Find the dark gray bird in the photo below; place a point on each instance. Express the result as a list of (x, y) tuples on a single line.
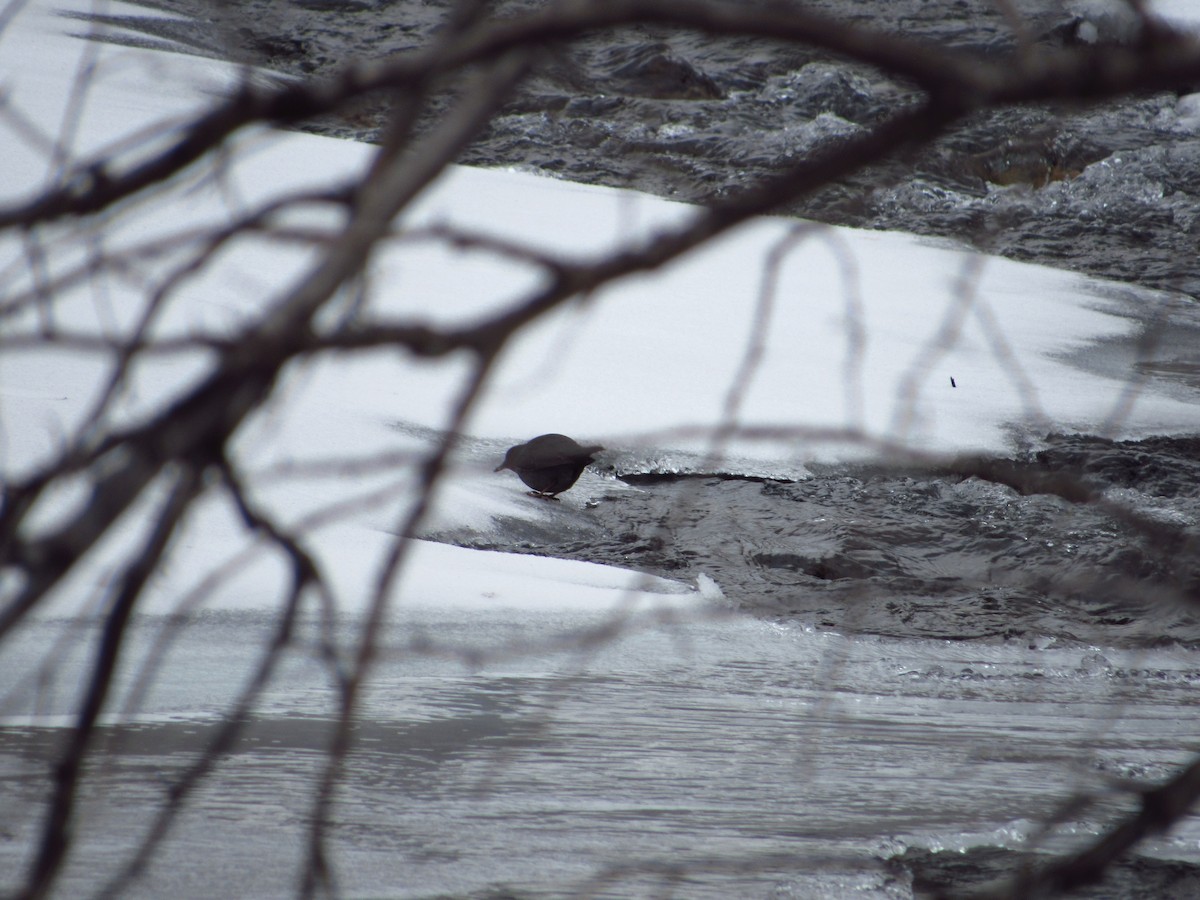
[(549, 464)]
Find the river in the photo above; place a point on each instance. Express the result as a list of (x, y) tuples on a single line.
[(721, 755), (921, 670)]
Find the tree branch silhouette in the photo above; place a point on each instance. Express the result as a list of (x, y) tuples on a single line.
[(188, 438)]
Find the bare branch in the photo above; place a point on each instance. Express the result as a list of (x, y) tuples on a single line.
[(194, 434), (55, 839)]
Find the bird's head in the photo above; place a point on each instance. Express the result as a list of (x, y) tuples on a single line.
[(509, 459)]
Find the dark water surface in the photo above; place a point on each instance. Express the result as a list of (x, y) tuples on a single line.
[(1110, 190), (911, 553)]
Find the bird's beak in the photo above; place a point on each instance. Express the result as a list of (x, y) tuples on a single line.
[(500, 467)]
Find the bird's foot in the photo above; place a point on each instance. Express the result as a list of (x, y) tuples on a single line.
[(542, 496)]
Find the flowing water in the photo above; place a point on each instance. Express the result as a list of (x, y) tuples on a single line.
[(715, 756), (921, 663), (915, 553), (1111, 190)]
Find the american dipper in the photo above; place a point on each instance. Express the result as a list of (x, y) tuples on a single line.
[(549, 464)]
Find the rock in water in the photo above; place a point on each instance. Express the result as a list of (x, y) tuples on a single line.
[(550, 463)]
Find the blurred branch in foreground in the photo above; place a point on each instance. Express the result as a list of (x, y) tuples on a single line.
[(163, 461)]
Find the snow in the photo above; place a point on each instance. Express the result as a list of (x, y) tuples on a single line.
[(1177, 12), (1115, 17), (885, 336)]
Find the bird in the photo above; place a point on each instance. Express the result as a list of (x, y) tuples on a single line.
[(550, 463)]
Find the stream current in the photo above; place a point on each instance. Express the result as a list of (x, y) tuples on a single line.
[(930, 664)]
